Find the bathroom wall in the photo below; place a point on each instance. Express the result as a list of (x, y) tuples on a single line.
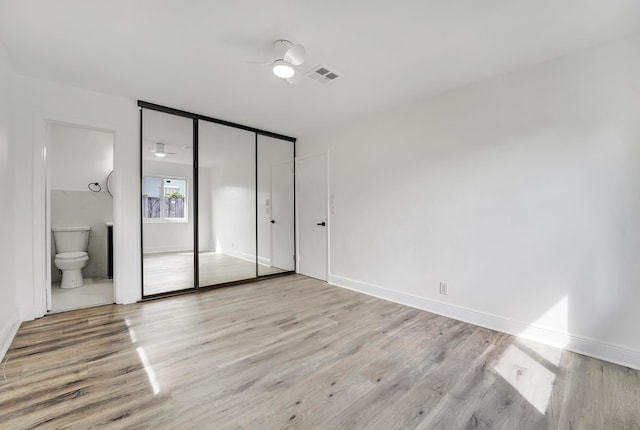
[(84, 208), (80, 156)]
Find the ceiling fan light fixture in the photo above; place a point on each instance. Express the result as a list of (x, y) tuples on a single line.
[(283, 70), (160, 154)]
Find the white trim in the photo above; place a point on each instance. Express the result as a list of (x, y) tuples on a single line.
[(328, 208), (583, 345), (7, 333), (237, 254), (40, 231), (162, 250), (263, 261), (246, 256)]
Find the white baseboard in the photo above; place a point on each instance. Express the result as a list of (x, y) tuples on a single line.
[(583, 345), (230, 252), (246, 256), (8, 331), (161, 250)]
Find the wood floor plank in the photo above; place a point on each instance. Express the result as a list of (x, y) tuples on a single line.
[(296, 353)]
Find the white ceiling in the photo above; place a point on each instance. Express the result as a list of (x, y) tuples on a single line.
[(193, 54)]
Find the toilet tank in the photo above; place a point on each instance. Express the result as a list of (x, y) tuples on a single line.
[(70, 239)]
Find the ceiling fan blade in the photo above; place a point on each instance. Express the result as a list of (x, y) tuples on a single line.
[(295, 55)]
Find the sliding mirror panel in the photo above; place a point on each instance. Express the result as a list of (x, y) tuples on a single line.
[(226, 204), (167, 203), (276, 229)]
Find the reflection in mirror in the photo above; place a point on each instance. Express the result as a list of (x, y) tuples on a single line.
[(275, 206), (226, 204), (167, 215)]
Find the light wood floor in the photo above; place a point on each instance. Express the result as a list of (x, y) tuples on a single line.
[(294, 352), (173, 271)]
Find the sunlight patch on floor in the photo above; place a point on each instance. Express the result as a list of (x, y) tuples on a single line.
[(155, 386), (132, 332), (151, 374), (532, 380)]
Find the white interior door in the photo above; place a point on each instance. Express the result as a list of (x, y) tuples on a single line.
[(282, 226), (311, 186)]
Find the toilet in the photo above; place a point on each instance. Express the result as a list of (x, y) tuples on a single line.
[(71, 245)]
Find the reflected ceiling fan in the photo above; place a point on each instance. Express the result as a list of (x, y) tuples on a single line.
[(287, 56), (160, 151)]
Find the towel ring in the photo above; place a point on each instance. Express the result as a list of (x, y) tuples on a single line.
[(94, 187)]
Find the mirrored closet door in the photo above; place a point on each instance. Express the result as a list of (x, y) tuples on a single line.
[(276, 227), (217, 202), (226, 204), (167, 203)]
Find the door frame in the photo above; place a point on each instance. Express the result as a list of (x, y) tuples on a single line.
[(328, 214), (42, 212)]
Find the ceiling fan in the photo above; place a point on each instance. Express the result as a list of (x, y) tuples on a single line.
[(287, 55), (160, 151)]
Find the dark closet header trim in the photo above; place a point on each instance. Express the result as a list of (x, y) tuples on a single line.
[(159, 108)]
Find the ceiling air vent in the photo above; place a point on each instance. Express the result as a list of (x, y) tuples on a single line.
[(323, 74)]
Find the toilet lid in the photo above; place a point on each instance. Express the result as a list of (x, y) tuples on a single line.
[(70, 255)]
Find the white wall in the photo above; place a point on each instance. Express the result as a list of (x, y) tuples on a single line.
[(170, 236), (79, 156), (35, 102), (522, 192), (227, 190), (233, 203), (8, 304), (206, 233)]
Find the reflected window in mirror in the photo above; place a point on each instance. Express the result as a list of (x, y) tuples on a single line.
[(164, 199)]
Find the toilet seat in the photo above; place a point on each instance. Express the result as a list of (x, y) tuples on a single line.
[(71, 255)]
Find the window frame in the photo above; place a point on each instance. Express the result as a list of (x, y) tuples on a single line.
[(163, 219)]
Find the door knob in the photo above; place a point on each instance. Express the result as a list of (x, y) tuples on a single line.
[(322, 223), (273, 221)]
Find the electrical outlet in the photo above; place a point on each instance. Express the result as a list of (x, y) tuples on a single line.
[(444, 288)]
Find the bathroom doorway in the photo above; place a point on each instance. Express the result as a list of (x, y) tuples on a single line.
[(79, 187)]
